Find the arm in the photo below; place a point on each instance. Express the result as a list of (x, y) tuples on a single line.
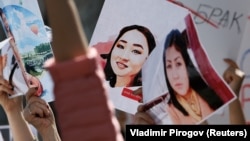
[(234, 77), (19, 127), (82, 72), (13, 109), (39, 114)]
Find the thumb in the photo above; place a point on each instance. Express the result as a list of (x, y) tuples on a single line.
[(231, 63)]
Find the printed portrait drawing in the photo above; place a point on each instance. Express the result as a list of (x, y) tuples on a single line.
[(187, 89), (127, 55), (191, 99)]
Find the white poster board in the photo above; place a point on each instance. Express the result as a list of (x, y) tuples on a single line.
[(22, 20), (230, 16), (158, 17), (243, 61), (229, 40)]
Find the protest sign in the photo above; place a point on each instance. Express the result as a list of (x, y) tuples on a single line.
[(23, 23), (110, 38), (227, 39), (194, 90), (154, 17), (222, 41)]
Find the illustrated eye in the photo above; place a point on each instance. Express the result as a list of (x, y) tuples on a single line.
[(178, 64), (169, 66), (136, 52), (120, 46)]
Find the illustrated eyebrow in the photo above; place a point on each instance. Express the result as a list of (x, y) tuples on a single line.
[(177, 58), (137, 45), (123, 41), (174, 59), (169, 61)]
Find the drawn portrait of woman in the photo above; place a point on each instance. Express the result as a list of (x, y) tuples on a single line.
[(191, 99), (127, 56)]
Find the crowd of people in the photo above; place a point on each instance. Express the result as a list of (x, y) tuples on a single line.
[(83, 109)]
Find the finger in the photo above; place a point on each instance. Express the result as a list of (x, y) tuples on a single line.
[(5, 83), (144, 118), (231, 63), (30, 93), (233, 74), (38, 109), (46, 110), (34, 110), (6, 90), (33, 81), (2, 80), (228, 79), (137, 91), (5, 86), (36, 99), (141, 122), (228, 75), (140, 108)]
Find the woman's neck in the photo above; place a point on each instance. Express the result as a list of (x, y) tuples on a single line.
[(191, 104), (124, 81), (188, 95)]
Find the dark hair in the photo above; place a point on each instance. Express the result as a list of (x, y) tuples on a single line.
[(196, 82), (109, 73)]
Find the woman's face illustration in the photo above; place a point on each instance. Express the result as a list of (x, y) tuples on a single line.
[(129, 54), (176, 71)]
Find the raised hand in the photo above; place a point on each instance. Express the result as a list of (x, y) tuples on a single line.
[(6, 89), (13, 108), (38, 113), (142, 117), (233, 75)]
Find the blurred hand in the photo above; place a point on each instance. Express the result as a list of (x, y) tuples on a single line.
[(6, 89), (38, 112), (35, 82), (142, 117), (233, 76), (138, 92)]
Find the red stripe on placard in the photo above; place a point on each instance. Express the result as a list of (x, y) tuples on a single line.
[(129, 94)]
